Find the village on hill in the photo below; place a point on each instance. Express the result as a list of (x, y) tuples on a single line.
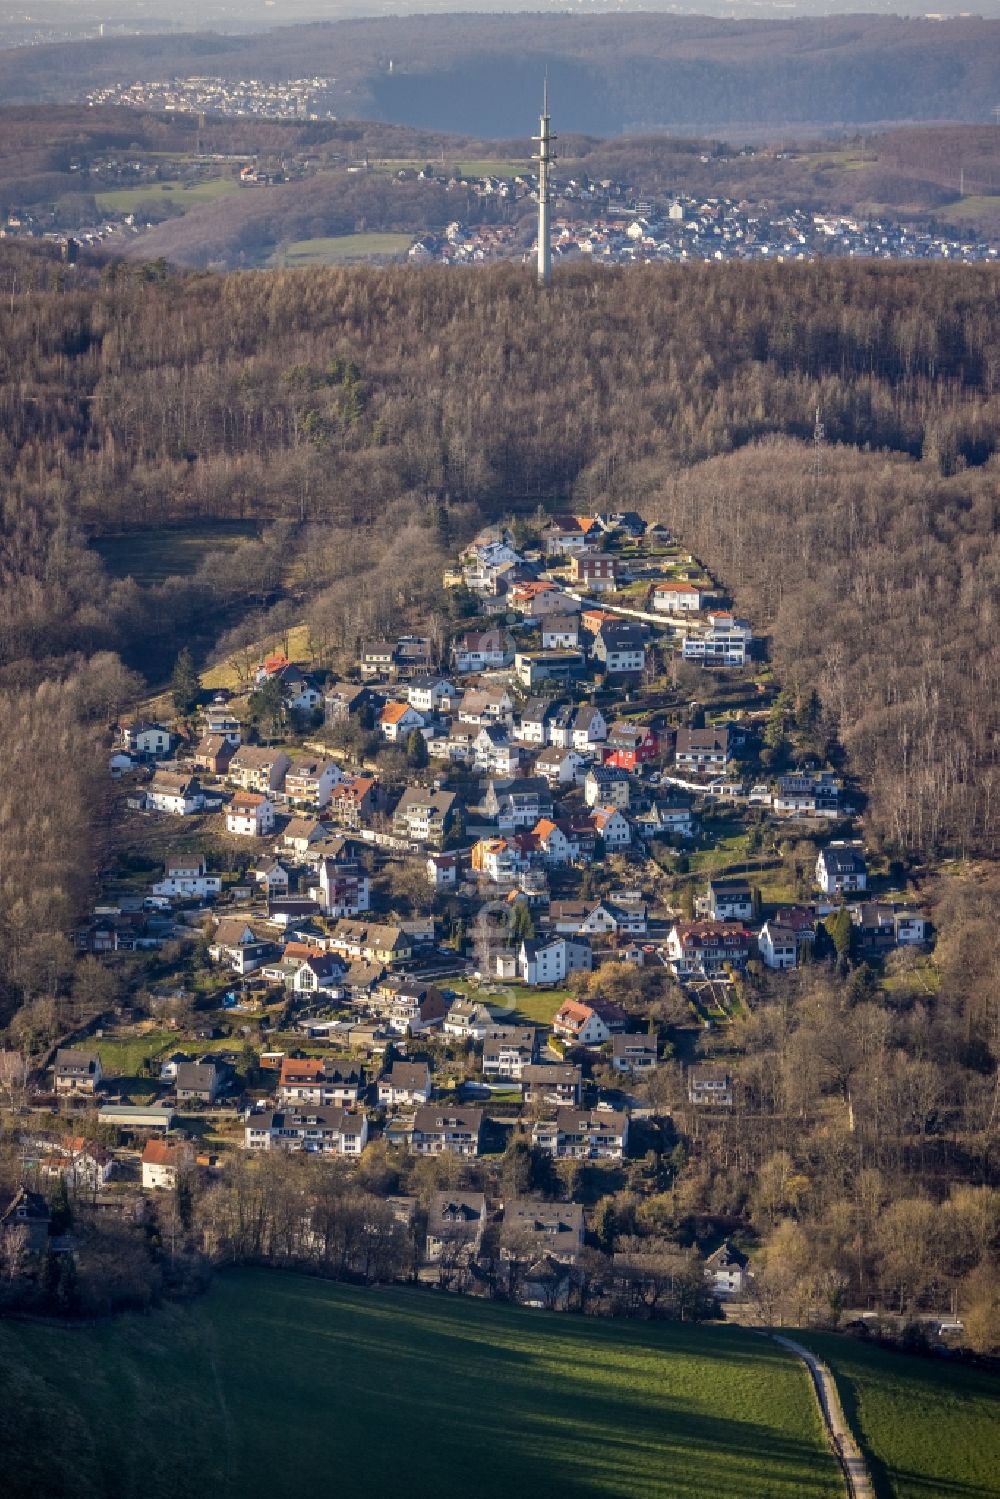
[(489, 909)]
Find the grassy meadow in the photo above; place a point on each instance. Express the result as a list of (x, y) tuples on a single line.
[(152, 556), (273, 1386), (180, 195), (930, 1429), (338, 248)]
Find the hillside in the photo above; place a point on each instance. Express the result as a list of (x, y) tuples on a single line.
[(480, 74), (272, 1384)]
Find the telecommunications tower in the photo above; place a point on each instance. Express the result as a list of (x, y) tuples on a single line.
[(545, 157)]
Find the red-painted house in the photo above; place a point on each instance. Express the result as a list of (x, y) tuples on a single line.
[(630, 745)]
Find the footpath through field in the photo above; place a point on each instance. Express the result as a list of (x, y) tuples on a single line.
[(859, 1483)]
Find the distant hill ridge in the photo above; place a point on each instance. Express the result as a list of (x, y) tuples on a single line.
[(480, 74)]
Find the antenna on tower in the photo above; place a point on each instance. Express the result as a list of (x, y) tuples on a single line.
[(545, 156)]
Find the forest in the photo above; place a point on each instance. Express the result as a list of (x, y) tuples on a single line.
[(482, 73)]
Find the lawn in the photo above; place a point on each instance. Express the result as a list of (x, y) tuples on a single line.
[(178, 194), (339, 248), (929, 1428), (124, 1056), (272, 1385), (295, 641), (152, 556)]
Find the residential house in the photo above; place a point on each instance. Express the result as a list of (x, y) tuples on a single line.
[(318, 1080), (442, 871), (560, 631), (507, 1050), (777, 945), (309, 1127), (630, 746), (425, 815), (255, 769), (378, 660), (77, 1071), (431, 695), (416, 1008), (250, 815), (535, 717), (583, 1135), (534, 1227), (706, 949), (469, 1019), (342, 699), (162, 1163), (533, 668), (703, 749), (149, 741), (309, 781), (552, 1082), (341, 888), (542, 600), (438, 1128), (273, 877), (25, 1219), (670, 818), (86, 1165), (612, 826), (299, 835), (634, 1054), (678, 598), (566, 534), (592, 572), (493, 752), (486, 705), (299, 691), (580, 728), (589, 1024), (398, 720), (560, 767), (725, 642), (620, 649), (455, 1224), (517, 803), (371, 941), (482, 650), (606, 786), (551, 960), (354, 801), (727, 1272), (726, 900), (710, 1087), (841, 869), (175, 793), (555, 845), (198, 1082), (319, 976), (186, 875), (405, 1084), (217, 720), (214, 754)]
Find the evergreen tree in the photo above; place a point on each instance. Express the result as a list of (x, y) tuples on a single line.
[(416, 750), (185, 687)]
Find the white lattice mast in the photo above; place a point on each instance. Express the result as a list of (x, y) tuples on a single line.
[(545, 156)]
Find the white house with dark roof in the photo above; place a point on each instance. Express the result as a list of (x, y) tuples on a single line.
[(841, 869)]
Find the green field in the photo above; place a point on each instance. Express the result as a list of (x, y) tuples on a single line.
[(274, 1387), (178, 194), (339, 248), (929, 1428), (970, 208), (152, 556)]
